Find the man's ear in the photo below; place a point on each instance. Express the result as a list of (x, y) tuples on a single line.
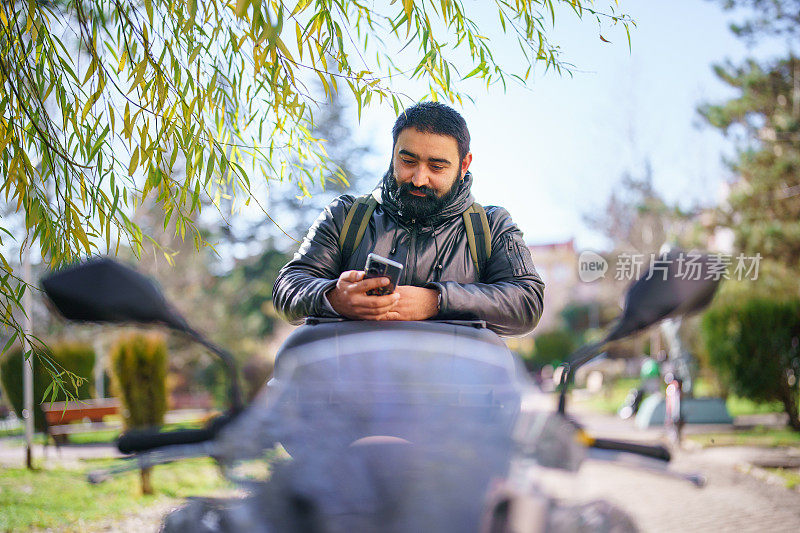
[(465, 163)]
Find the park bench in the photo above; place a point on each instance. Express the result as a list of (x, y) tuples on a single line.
[(89, 413)]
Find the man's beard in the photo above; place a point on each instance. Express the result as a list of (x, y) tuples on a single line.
[(420, 207)]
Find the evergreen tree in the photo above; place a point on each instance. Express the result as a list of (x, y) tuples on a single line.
[(750, 327), (763, 207)]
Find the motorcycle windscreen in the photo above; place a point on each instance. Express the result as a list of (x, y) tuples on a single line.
[(410, 420)]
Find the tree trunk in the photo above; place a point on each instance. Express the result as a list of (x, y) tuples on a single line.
[(789, 399), (147, 487)]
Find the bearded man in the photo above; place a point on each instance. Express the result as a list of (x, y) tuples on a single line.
[(418, 219)]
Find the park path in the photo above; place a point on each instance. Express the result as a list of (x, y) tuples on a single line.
[(734, 499)]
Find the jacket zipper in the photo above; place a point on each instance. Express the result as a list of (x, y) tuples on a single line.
[(412, 252)]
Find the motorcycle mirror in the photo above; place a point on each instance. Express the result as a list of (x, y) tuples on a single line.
[(677, 283), (102, 290)]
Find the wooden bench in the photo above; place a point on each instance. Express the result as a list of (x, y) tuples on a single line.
[(61, 415)]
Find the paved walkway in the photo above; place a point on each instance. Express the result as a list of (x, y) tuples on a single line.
[(12, 454), (12, 449), (734, 499)]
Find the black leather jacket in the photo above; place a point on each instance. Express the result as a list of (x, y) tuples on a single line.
[(508, 296)]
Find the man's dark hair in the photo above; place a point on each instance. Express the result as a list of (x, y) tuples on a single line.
[(434, 117)]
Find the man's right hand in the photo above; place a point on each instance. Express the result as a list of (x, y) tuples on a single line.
[(350, 299)]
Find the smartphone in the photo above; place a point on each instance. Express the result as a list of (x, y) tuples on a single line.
[(380, 267)]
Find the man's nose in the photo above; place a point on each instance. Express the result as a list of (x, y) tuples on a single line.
[(421, 177)]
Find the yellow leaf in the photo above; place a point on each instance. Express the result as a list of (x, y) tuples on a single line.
[(92, 99), (194, 54), (283, 49), (134, 162), (408, 6), (301, 5), (127, 125), (241, 7), (148, 6), (299, 40), (78, 232), (192, 11), (90, 71)]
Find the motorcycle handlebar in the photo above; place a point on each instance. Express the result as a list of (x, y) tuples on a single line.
[(142, 440), (654, 451)]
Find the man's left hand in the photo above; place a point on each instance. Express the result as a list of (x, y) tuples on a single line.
[(416, 303)]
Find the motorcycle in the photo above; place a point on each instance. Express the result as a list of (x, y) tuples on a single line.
[(387, 426)]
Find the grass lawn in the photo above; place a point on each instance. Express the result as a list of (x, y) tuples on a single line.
[(742, 406), (17, 438), (64, 499), (609, 400), (757, 436), (791, 478)]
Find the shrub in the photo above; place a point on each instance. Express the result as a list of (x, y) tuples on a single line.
[(578, 316), (79, 358), (139, 365), (551, 347), (75, 357), (753, 344)]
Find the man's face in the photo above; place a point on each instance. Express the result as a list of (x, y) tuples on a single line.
[(427, 170)]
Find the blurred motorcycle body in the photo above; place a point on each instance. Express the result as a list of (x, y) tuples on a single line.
[(390, 426)]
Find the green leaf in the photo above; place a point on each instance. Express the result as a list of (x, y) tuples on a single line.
[(10, 341), (474, 71), (47, 391), (99, 143), (628, 33)]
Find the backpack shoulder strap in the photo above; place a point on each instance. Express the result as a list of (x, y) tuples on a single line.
[(479, 236), (355, 224)]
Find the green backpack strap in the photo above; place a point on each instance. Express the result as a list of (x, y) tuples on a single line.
[(479, 236), (355, 224)]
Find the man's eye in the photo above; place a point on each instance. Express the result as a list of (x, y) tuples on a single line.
[(437, 168), (408, 161)]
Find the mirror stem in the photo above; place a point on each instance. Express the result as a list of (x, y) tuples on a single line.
[(230, 367), (583, 355)]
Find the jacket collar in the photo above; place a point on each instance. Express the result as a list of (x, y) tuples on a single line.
[(460, 203)]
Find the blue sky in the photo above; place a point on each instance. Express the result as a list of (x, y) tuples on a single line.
[(556, 150)]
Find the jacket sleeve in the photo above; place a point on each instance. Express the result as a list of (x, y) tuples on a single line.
[(299, 291), (510, 297)]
